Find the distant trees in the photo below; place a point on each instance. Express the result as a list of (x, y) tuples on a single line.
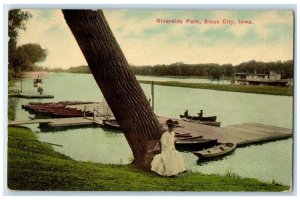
[(213, 71), (26, 56), (84, 69), (216, 71)]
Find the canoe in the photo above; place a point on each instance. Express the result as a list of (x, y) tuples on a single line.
[(210, 118), (187, 117), (209, 123), (195, 144), (218, 150), (66, 115)]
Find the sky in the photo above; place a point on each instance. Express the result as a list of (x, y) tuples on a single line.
[(144, 41)]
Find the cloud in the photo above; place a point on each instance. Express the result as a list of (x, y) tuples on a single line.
[(48, 28), (143, 41)]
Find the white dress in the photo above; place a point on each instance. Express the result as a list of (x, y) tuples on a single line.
[(169, 162)]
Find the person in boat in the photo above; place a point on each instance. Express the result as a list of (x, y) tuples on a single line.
[(200, 114), (186, 113), (169, 162), (40, 90)]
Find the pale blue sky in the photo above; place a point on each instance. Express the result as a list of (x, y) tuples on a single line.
[(143, 41)]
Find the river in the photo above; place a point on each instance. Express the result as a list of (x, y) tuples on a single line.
[(266, 162)]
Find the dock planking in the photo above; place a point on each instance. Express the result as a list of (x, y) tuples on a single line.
[(240, 134)]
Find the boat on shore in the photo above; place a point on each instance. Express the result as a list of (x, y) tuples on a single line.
[(216, 151)]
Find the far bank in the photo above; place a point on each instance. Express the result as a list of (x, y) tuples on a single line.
[(269, 90)]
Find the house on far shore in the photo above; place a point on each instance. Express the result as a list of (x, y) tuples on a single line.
[(271, 78)]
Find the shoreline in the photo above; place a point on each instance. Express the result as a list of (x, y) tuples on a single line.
[(267, 90), (40, 167)]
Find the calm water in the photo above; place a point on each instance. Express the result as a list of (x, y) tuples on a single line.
[(266, 162), (181, 79)]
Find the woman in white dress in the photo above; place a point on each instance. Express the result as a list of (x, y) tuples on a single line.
[(169, 162)]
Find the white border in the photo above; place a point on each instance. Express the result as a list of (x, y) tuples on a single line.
[(213, 4)]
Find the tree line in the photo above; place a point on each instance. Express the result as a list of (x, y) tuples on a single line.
[(213, 71), (216, 71)]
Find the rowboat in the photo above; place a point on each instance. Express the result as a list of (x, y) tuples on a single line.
[(195, 144), (215, 151), (65, 114), (210, 118), (209, 123)]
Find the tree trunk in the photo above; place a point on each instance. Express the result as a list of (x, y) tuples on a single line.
[(114, 77)]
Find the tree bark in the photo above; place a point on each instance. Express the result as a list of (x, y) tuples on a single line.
[(114, 77)]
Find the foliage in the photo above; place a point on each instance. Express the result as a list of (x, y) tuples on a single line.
[(36, 166), (33, 52), (28, 55), (16, 22), (80, 69), (216, 71), (284, 68), (213, 71), (264, 89)]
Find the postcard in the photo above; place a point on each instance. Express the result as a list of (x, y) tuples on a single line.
[(152, 100)]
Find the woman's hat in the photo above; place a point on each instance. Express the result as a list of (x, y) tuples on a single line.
[(170, 122)]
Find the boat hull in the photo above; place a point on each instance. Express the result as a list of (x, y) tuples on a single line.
[(216, 151), (195, 144), (210, 118)]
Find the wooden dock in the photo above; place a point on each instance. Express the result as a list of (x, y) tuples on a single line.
[(240, 134), (31, 96)]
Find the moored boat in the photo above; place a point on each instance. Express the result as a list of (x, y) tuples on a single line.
[(195, 144), (215, 151), (209, 118), (209, 123)]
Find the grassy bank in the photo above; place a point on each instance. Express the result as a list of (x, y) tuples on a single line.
[(271, 90), (33, 165)]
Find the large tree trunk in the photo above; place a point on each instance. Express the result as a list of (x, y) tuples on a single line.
[(117, 82)]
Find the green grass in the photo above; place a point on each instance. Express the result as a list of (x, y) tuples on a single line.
[(271, 90), (33, 165)]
